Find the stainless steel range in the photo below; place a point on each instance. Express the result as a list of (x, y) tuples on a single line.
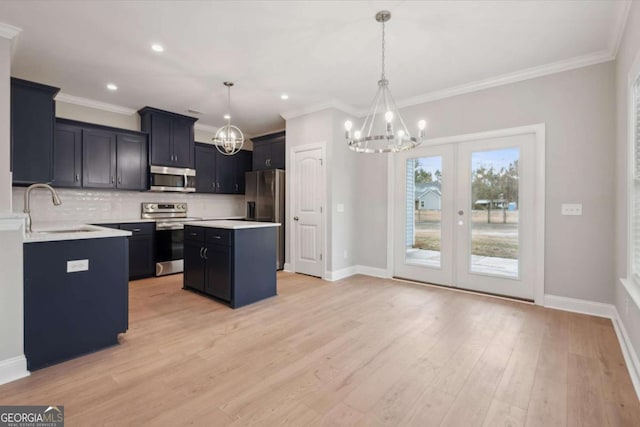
[(169, 237)]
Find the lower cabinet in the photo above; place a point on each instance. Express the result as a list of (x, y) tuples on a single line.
[(235, 266), (142, 259), (207, 266), (67, 314)]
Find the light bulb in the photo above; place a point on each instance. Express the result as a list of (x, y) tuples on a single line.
[(232, 135), (422, 124), (388, 116), (227, 116), (357, 134), (221, 135), (348, 125), (400, 134)]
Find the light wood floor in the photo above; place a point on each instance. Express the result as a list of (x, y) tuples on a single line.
[(361, 351)]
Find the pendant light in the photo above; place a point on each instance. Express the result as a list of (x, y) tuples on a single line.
[(390, 135), (229, 139)]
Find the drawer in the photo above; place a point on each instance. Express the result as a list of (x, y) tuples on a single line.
[(139, 228), (194, 233), (116, 226), (219, 236)]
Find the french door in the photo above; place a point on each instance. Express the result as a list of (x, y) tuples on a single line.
[(465, 215)]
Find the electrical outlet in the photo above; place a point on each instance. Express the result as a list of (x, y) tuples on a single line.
[(572, 209), (340, 207), (77, 265)]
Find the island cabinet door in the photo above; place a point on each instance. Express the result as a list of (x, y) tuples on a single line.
[(194, 265), (218, 283)]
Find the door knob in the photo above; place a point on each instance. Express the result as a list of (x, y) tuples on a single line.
[(295, 218)]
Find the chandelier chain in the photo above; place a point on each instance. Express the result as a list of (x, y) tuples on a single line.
[(383, 52)]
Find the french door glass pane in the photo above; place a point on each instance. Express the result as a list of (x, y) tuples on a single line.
[(494, 212), (424, 211)]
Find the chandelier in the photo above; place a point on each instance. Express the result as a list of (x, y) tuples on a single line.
[(390, 135), (229, 139)]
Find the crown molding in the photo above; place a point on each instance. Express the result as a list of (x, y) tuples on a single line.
[(9, 31), (619, 27), (518, 76), (335, 103), (85, 102)]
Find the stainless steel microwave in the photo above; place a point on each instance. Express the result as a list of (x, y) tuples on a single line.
[(164, 178)]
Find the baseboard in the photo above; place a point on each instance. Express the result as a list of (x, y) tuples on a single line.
[(13, 369), (343, 273), (287, 267), (372, 271), (628, 352), (580, 306)]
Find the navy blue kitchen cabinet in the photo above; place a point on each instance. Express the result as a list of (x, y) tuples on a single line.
[(70, 314), (269, 151), (217, 173), (131, 161), (142, 257), (94, 156), (205, 168), (234, 266), (170, 137), (67, 156), (98, 158), (32, 131), (194, 262)]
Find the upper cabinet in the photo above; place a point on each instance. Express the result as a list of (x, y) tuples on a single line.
[(93, 156), (171, 140), (269, 151), (217, 173), (32, 131)]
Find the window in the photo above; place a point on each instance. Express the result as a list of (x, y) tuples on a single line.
[(634, 203)]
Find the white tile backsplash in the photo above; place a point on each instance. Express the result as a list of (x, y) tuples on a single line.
[(84, 205)]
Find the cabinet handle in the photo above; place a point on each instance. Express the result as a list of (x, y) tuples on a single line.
[(136, 230), (77, 177), (213, 184), (236, 187), (217, 237), (218, 185), (205, 253), (201, 255), (120, 180), (193, 234), (113, 180)]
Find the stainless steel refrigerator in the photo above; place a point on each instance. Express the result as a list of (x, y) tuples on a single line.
[(264, 200)]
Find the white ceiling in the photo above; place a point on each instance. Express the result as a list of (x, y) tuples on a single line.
[(315, 51)]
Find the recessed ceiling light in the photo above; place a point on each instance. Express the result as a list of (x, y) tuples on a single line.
[(157, 47), (284, 96), (111, 86)]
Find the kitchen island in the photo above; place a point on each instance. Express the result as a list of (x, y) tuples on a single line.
[(76, 294), (232, 261)]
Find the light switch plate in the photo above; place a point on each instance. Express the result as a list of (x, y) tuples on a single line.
[(77, 265), (572, 209)]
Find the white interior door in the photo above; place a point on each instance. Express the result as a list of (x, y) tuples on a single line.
[(308, 188), (468, 215)]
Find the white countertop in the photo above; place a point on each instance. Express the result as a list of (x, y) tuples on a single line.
[(231, 224), (44, 234)]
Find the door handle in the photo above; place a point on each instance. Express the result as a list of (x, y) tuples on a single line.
[(295, 218)]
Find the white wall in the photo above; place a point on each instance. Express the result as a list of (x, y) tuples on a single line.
[(578, 108), (12, 361), (5, 126), (628, 53)]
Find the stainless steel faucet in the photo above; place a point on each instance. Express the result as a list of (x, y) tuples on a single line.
[(27, 195)]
